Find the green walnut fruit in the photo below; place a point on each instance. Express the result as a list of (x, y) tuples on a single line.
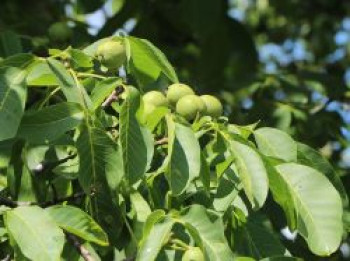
[(111, 54), (214, 106), (60, 32), (176, 91), (189, 106), (193, 254), (148, 109), (155, 98)]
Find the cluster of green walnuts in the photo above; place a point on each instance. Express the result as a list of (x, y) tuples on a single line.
[(179, 97), (186, 103)]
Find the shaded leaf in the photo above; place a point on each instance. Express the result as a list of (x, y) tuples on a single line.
[(10, 44), (148, 62), (72, 89), (45, 125), (13, 94), (136, 141), (252, 239), (252, 172), (95, 148), (184, 157)]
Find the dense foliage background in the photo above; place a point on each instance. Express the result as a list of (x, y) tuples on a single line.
[(283, 63)]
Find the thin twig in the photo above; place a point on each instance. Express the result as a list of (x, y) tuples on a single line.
[(7, 258), (50, 165), (161, 141), (129, 258), (61, 200), (114, 96), (91, 75), (84, 253), (12, 203)]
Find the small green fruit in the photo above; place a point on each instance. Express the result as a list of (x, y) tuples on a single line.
[(176, 91), (60, 32), (214, 106), (155, 98), (148, 109), (193, 254), (189, 106), (111, 54)]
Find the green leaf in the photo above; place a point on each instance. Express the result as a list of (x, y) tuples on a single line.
[(5, 152), (13, 94), (45, 125), (275, 143), (158, 226), (226, 193), (21, 60), (103, 89), (35, 233), (79, 59), (280, 192), (252, 239), (142, 209), (153, 119), (79, 223), (312, 158), (148, 62), (40, 74), (184, 157), (207, 230), (252, 172), (71, 88), (318, 207), (70, 253), (96, 150), (136, 141), (10, 44)]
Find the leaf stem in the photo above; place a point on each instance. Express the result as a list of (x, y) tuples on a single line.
[(47, 98), (179, 243), (91, 75)]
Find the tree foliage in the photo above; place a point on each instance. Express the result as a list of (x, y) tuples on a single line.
[(85, 156)]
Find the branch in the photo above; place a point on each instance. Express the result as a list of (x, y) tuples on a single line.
[(85, 254), (12, 203), (50, 165), (7, 258), (161, 141), (61, 200), (129, 258), (114, 96)]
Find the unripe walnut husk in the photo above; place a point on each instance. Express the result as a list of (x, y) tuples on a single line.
[(214, 106), (111, 53), (60, 32), (176, 91), (190, 106), (193, 254)]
